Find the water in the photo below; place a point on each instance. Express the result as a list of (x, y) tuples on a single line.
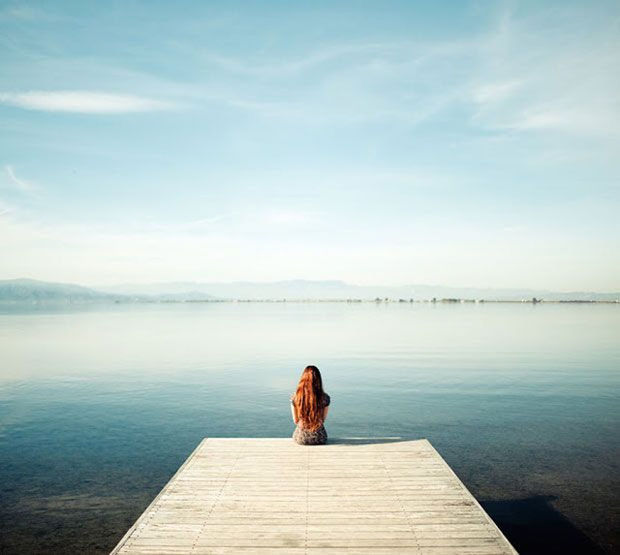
[(99, 405)]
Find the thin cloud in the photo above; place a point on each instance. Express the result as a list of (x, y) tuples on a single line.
[(494, 92), (530, 81), (194, 225), (299, 64), (4, 209), (207, 221), (19, 183), (82, 102), (24, 13)]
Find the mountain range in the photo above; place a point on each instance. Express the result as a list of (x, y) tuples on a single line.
[(30, 290)]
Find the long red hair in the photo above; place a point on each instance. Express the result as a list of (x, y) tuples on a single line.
[(308, 399)]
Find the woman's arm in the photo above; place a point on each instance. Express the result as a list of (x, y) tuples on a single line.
[(326, 401), (294, 412)]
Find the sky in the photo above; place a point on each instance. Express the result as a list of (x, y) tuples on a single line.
[(386, 143)]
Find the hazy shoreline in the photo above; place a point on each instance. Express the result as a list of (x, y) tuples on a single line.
[(79, 302), (36, 291)]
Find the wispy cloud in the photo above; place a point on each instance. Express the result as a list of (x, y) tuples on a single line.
[(21, 184), (495, 92), (301, 63), (21, 12), (240, 222), (539, 81), (83, 102), (207, 221), (351, 83), (4, 209), (198, 226)]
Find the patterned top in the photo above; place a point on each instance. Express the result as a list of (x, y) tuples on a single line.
[(315, 437)]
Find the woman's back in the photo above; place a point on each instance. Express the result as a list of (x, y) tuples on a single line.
[(309, 407)]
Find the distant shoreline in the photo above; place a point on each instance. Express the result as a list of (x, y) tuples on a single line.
[(380, 301), (26, 290), (138, 301)]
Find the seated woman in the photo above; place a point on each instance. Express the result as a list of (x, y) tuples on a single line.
[(309, 407)]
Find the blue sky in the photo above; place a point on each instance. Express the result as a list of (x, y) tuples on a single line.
[(454, 143)]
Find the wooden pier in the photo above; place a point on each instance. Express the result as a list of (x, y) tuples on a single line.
[(259, 496)]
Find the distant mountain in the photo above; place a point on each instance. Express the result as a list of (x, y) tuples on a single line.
[(36, 291), (32, 290), (293, 289), (167, 289)]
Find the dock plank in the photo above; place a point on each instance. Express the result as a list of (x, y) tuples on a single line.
[(258, 496)]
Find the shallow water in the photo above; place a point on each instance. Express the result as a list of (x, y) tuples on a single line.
[(99, 405)]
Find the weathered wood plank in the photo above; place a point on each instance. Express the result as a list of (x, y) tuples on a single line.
[(257, 496)]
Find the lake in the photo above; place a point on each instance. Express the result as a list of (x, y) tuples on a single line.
[(99, 405)]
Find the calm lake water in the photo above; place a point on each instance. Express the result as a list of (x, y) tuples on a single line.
[(99, 405)]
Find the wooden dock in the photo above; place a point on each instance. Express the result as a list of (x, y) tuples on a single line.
[(363, 496)]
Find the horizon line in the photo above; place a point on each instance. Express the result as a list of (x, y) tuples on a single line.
[(315, 281)]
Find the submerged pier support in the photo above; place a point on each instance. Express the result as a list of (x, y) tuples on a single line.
[(367, 496)]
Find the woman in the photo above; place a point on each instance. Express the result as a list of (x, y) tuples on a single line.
[(309, 407)]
